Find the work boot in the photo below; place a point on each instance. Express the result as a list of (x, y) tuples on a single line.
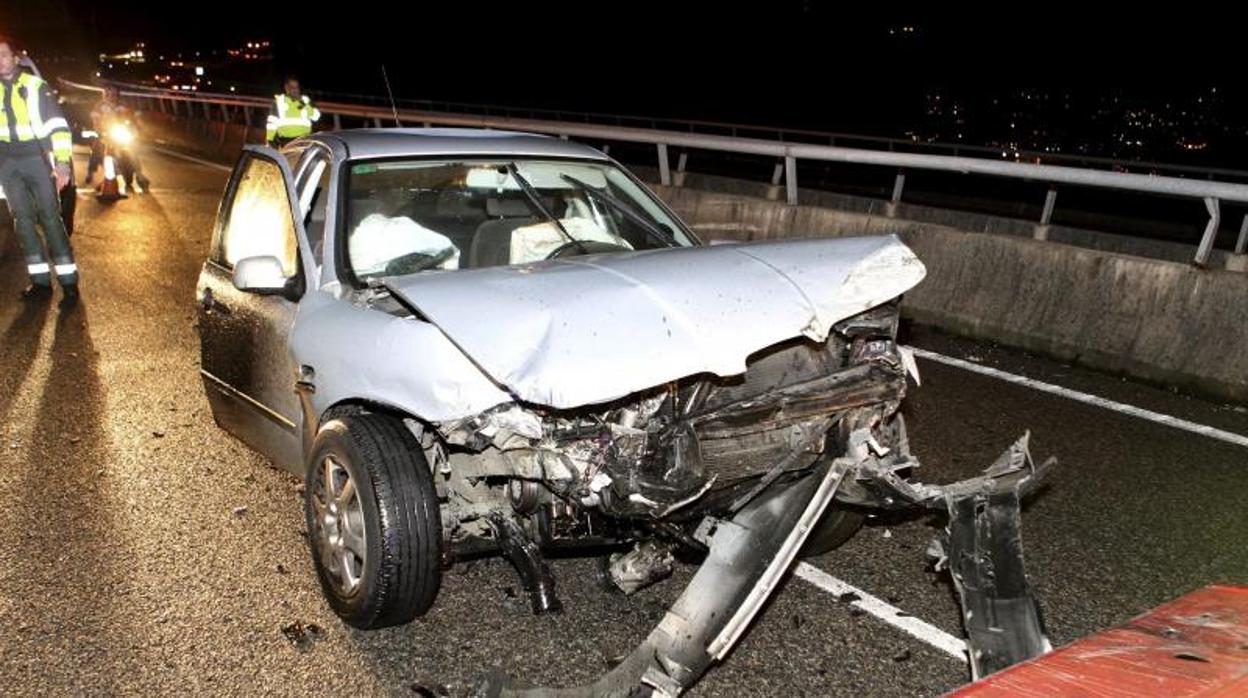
[(37, 292), (69, 296)]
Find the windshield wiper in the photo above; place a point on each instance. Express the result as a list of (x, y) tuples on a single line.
[(532, 194), (654, 231)]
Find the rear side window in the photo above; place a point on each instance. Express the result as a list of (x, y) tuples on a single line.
[(259, 221)]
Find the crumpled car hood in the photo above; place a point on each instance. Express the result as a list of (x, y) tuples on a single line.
[(585, 330)]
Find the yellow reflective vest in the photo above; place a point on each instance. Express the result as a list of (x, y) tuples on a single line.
[(290, 118), (29, 114)]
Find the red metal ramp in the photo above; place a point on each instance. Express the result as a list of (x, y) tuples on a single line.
[(1196, 645)]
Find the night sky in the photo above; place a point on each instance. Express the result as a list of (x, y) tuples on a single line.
[(784, 62)]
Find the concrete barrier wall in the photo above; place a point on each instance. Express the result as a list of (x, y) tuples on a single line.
[(1152, 319), (212, 140)]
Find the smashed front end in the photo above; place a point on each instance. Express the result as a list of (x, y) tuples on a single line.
[(744, 470), (659, 460)]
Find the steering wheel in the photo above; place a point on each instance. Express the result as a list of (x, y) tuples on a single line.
[(573, 248)]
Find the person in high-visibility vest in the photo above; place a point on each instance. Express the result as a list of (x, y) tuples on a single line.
[(30, 123), (290, 116)]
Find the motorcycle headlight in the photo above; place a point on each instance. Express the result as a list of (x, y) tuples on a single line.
[(121, 134)]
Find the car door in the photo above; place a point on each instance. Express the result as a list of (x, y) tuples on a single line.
[(248, 371)]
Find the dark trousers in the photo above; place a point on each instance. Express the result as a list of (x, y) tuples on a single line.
[(32, 199)]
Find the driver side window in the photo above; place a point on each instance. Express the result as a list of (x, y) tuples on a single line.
[(259, 221)]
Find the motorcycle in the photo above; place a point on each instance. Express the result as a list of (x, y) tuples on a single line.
[(121, 166)]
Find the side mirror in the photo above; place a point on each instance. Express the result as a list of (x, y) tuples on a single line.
[(262, 276)]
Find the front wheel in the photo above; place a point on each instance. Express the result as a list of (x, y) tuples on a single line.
[(374, 525)]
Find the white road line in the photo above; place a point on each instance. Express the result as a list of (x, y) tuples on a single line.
[(1211, 432), (941, 640), (205, 163)]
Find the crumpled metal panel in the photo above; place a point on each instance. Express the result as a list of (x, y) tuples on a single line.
[(361, 353), (586, 330)]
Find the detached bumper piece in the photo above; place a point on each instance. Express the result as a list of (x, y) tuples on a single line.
[(983, 551)]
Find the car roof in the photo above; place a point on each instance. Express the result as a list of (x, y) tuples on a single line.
[(417, 142)]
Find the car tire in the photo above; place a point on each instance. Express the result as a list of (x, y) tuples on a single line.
[(836, 527), (391, 517)]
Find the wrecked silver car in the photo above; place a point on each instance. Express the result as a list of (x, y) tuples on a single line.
[(492, 343)]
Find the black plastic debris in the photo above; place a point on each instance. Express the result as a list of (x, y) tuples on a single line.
[(848, 597), (301, 635), (281, 569), (428, 689), (902, 656)]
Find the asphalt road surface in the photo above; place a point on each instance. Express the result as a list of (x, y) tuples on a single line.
[(143, 550)]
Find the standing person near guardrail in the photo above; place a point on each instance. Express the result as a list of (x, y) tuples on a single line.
[(30, 122), (290, 116)]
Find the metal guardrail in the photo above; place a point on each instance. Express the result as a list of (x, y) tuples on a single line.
[(786, 134), (787, 153)]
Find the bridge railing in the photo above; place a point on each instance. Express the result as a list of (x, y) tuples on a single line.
[(253, 110)]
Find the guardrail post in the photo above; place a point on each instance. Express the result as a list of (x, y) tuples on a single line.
[(226, 113), (665, 173), (777, 175), (606, 148), (337, 122), (680, 168), (1211, 232), (377, 122), (1241, 245), (1049, 200), (790, 179), (1042, 230), (899, 186)]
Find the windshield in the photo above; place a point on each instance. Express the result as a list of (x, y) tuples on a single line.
[(408, 216)]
